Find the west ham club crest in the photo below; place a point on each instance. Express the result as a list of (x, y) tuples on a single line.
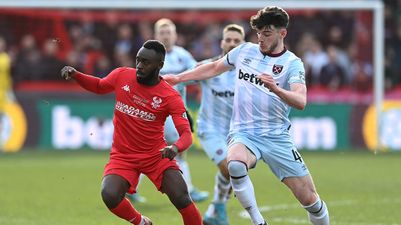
[(277, 69)]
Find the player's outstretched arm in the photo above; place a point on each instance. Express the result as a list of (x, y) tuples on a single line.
[(90, 83), (201, 72)]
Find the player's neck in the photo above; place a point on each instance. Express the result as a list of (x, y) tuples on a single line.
[(151, 82), (279, 49)]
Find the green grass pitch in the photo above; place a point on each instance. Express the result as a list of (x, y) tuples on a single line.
[(62, 188)]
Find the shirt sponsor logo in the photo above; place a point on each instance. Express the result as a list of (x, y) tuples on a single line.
[(134, 112), (225, 94), (249, 77)]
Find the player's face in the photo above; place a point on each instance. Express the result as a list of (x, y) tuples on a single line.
[(269, 39), (148, 65), (167, 35), (231, 39)]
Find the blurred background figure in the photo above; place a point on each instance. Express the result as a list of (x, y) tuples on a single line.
[(5, 86)]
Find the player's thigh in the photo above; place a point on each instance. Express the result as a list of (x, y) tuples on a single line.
[(114, 183), (127, 172), (173, 183), (303, 189), (280, 154), (174, 186), (156, 171), (170, 132), (215, 146), (242, 148)]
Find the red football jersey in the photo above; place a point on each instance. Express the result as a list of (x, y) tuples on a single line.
[(140, 111)]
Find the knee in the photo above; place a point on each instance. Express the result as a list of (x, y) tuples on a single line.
[(237, 169), (181, 200), (308, 198), (111, 197)]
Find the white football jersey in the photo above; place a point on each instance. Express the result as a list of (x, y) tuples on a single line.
[(216, 103), (176, 61), (256, 110)]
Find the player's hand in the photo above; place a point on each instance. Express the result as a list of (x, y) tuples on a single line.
[(171, 79), (67, 72), (268, 81), (169, 152)]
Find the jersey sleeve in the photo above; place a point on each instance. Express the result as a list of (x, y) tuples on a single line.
[(189, 60), (181, 123), (97, 85), (232, 56), (296, 73)]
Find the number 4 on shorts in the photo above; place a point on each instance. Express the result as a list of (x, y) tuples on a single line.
[(297, 156)]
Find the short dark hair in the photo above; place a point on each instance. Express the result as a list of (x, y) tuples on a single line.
[(157, 46), (270, 15)]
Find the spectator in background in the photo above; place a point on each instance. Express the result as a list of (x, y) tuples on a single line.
[(314, 57), (102, 67), (124, 46), (332, 74), (50, 62), (125, 40), (107, 32), (362, 71), (27, 65), (395, 59), (5, 83)]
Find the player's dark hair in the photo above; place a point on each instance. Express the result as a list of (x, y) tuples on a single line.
[(270, 15), (157, 46)]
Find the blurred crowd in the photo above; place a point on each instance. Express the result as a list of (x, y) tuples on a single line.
[(335, 46)]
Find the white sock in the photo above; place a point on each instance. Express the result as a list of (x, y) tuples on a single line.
[(185, 171), (318, 213), (222, 188), (244, 191)]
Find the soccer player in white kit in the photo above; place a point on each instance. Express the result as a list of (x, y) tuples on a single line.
[(177, 60), (213, 125), (269, 81)]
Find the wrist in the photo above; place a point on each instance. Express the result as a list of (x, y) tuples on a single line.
[(175, 148)]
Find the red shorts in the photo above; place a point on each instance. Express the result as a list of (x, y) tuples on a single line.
[(130, 169)]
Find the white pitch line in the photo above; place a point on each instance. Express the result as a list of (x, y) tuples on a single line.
[(295, 220), (266, 208)]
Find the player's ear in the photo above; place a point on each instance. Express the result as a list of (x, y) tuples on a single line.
[(161, 64), (283, 32)]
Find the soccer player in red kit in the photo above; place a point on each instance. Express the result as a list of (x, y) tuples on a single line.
[(143, 102)]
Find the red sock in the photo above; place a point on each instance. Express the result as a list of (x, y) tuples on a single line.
[(127, 211), (190, 215)]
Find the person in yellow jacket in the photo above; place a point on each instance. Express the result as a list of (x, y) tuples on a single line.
[(5, 77), (5, 88)]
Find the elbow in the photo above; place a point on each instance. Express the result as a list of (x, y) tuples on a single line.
[(301, 105)]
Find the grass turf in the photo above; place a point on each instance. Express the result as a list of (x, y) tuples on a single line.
[(62, 188)]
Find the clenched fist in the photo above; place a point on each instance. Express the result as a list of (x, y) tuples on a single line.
[(169, 152), (68, 72)]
